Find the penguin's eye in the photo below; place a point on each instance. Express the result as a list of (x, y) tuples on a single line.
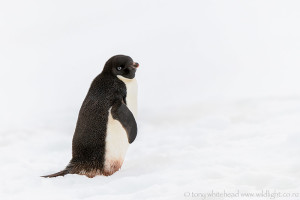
[(119, 68)]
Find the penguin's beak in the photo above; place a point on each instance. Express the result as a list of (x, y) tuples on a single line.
[(135, 65)]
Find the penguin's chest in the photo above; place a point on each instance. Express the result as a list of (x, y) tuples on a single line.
[(116, 142)]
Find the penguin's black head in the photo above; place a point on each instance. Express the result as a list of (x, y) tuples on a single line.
[(121, 65)]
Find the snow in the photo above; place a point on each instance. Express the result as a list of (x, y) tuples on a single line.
[(219, 98)]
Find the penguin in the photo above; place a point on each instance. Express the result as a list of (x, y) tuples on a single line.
[(106, 122)]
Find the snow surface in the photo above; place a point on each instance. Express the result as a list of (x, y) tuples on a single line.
[(219, 97)]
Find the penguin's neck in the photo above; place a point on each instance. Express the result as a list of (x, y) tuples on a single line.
[(131, 99), (126, 80)]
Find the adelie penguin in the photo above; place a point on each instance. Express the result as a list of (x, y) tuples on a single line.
[(106, 123)]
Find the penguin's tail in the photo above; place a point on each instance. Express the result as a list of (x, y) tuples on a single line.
[(61, 173)]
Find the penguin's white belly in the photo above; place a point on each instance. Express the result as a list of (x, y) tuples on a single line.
[(116, 142)]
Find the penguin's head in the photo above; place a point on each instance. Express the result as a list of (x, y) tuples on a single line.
[(121, 65)]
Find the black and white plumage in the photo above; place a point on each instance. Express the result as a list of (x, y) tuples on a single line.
[(106, 123)]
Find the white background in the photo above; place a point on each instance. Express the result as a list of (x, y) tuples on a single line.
[(219, 97)]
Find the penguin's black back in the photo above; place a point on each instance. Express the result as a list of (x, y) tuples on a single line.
[(88, 146)]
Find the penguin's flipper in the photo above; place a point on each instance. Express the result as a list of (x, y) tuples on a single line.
[(121, 113)]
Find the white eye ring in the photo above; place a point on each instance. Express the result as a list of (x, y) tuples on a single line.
[(119, 68)]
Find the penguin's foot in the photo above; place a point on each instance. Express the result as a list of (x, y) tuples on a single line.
[(91, 173), (110, 168)]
